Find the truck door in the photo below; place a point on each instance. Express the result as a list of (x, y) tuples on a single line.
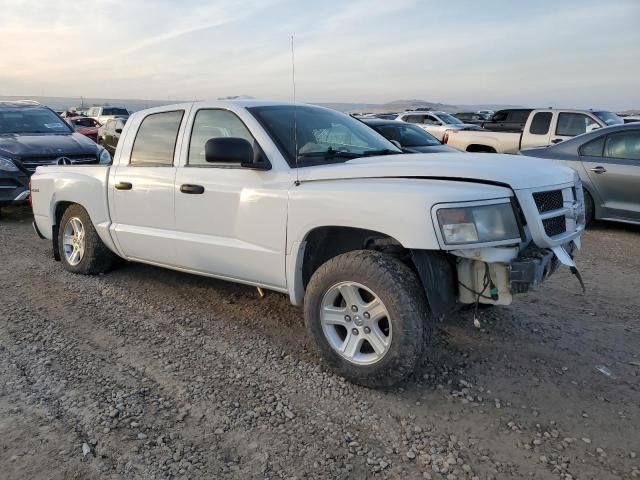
[(536, 133), (142, 189), (231, 220), (613, 165)]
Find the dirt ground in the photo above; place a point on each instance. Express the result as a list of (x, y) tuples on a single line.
[(148, 373)]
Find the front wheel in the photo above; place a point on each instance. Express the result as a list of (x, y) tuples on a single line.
[(589, 208), (81, 249), (368, 316)]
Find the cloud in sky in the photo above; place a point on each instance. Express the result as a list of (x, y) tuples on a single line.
[(572, 53)]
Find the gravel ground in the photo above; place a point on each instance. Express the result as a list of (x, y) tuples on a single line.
[(148, 373)]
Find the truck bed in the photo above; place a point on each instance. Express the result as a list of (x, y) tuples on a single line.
[(85, 184), (484, 141)]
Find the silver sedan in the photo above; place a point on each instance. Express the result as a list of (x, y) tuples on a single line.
[(608, 162)]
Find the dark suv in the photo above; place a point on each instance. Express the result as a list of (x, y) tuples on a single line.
[(32, 135), (509, 120)]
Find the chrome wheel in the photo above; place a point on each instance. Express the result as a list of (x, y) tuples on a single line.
[(356, 323), (73, 241)]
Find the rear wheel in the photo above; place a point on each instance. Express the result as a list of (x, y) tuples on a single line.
[(368, 317), (81, 249)]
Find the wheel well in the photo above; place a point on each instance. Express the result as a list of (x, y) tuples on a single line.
[(61, 207), (480, 148), (324, 243)]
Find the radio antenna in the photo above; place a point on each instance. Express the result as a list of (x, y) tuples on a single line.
[(295, 114)]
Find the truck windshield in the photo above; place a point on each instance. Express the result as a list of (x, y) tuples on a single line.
[(32, 120), (609, 118), (321, 135)]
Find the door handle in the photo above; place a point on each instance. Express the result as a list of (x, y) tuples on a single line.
[(556, 140), (123, 186), (192, 189), (598, 169)]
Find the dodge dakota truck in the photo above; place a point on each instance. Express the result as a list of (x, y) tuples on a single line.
[(543, 127), (376, 244)]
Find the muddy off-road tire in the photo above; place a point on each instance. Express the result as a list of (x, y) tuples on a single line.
[(81, 249), (368, 316)]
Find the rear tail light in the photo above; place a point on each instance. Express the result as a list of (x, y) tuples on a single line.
[(445, 138), (29, 196)]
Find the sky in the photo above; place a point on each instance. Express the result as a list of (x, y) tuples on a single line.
[(562, 53)]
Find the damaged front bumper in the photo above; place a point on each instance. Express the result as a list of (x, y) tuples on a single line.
[(494, 275)]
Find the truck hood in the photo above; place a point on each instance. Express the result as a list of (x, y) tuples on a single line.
[(516, 171), (32, 145)]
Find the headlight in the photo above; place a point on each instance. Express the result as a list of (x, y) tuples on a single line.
[(478, 224), (7, 165), (105, 157)]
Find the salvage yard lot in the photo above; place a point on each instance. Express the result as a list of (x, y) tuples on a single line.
[(167, 375)]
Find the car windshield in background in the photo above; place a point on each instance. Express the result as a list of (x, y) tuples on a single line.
[(449, 119), (32, 120), (115, 111), (407, 135), (321, 135), (609, 118)]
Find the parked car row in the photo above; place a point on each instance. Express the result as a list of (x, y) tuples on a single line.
[(32, 135)]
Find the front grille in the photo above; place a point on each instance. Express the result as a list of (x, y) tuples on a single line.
[(549, 200), (31, 163), (555, 225)]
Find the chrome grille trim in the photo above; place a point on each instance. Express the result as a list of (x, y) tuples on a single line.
[(549, 222)]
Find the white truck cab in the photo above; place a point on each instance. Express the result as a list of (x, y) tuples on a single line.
[(376, 244)]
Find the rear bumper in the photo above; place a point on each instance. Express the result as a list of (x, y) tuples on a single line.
[(14, 188)]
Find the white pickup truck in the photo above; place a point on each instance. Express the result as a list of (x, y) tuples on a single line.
[(544, 127), (375, 243)]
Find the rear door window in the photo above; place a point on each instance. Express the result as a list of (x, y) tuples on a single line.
[(155, 141), (413, 118), (540, 123)]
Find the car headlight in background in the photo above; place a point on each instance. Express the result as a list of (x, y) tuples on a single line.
[(7, 165), (105, 157), (478, 224)]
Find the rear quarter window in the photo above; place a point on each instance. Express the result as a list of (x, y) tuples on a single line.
[(593, 148)]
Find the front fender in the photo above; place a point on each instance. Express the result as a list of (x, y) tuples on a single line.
[(397, 207)]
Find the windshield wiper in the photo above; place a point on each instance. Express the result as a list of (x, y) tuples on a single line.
[(384, 151), (332, 153), (329, 153)]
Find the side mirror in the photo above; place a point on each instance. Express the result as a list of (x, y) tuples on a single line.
[(232, 150)]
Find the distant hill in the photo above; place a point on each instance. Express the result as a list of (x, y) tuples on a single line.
[(65, 103), (133, 105), (402, 105)]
